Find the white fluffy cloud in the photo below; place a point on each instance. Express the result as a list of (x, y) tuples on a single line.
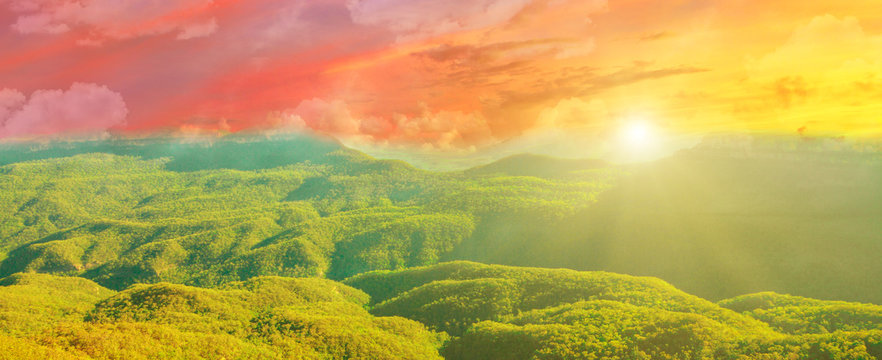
[(83, 108)]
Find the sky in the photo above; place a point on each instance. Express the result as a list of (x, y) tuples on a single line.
[(572, 78)]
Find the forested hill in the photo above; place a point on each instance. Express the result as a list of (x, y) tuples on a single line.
[(297, 247), (120, 220), (715, 223), (457, 310), (499, 312), (240, 152), (538, 166)]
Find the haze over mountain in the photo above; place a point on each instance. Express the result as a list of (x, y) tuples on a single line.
[(198, 240), (713, 222)]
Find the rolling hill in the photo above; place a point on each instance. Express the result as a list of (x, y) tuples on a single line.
[(500, 312), (537, 165), (121, 249), (715, 223), (456, 310), (718, 225)]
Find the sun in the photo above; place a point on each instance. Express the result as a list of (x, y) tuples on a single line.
[(637, 134)]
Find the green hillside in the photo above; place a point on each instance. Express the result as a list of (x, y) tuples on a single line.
[(715, 223), (121, 220), (799, 315), (263, 318), (234, 248), (456, 310), (240, 152), (500, 312), (718, 225)]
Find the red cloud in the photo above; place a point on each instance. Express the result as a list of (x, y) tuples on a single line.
[(83, 108)]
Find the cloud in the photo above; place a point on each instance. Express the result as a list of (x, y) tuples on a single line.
[(827, 74), (829, 53), (83, 108), (10, 100), (573, 113), (287, 24), (659, 35), (285, 121), (332, 117), (428, 129), (573, 127), (198, 30), (826, 43), (441, 129), (113, 19), (421, 18), (791, 90)]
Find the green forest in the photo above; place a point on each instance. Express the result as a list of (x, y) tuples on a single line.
[(247, 247)]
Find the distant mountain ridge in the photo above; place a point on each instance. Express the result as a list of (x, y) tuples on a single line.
[(240, 152), (536, 165), (301, 248), (205, 213)]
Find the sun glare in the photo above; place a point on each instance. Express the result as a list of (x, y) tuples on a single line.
[(637, 134)]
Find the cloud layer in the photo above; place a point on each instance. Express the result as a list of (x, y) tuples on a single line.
[(113, 19), (423, 18), (452, 75)]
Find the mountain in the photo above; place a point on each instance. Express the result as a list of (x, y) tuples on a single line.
[(718, 225), (501, 312), (121, 220), (239, 152), (263, 318), (536, 165), (456, 310), (237, 247)]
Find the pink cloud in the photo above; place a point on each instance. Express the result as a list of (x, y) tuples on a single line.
[(83, 108), (442, 129), (198, 30), (9, 101), (113, 19), (419, 18), (287, 25), (333, 116)]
